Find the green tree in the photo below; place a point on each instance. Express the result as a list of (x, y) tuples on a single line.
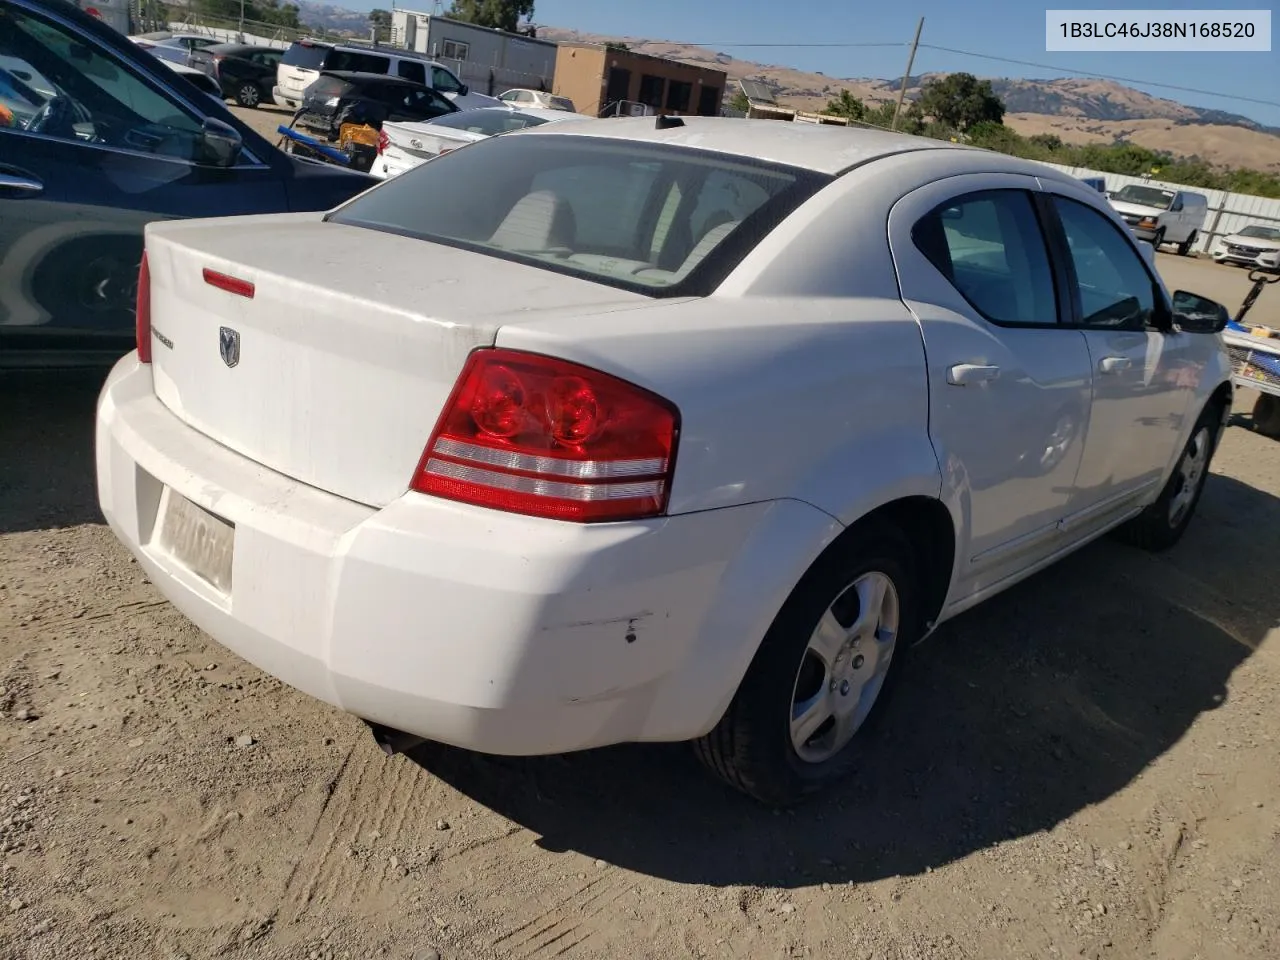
[(739, 101), (961, 100), (380, 20), (846, 105), (503, 14)]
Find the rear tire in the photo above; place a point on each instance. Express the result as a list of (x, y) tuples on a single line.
[(249, 95), (1162, 524), (818, 684), (1266, 415), (1184, 248)]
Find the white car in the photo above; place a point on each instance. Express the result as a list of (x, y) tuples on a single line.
[(523, 97), (657, 430), (1256, 246), (1162, 215), (402, 146)]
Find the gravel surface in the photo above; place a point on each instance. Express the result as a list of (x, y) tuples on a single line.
[(1087, 765)]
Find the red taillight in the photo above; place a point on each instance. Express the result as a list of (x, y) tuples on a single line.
[(383, 141), (548, 438), (142, 311), (241, 288)]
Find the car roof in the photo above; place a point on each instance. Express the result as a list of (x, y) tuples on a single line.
[(228, 47), (823, 148), (541, 112)]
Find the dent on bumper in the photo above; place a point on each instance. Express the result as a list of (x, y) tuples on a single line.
[(486, 630)]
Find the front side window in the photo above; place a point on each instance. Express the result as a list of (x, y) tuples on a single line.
[(659, 220), (989, 245), (1114, 287), (444, 81), (75, 92)]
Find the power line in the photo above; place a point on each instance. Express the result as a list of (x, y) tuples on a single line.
[(987, 56), (713, 46), (1103, 76)]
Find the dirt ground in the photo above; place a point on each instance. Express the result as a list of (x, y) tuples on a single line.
[(1088, 765)]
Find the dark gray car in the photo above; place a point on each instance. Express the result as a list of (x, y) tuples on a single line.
[(102, 138)]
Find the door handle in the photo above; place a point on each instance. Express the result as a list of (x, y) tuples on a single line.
[(962, 374), (25, 186), (1114, 364)]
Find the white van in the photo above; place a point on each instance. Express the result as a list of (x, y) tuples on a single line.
[(1161, 215), (304, 60)]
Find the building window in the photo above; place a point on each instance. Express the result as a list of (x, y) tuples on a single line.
[(709, 102), (651, 90), (678, 95), (455, 50)]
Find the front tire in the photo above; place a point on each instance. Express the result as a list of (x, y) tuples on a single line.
[(1266, 415), (248, 95), (822, 675), (1158, 240), (1162, 524)]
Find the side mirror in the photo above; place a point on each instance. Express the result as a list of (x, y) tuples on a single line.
[(463, 90), (219, 144), (1193, 313)]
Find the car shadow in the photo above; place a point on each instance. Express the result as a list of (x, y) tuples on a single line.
[(1045, 700), (46, 449)]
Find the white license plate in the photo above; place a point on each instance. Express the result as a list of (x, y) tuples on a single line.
[(197, 539)]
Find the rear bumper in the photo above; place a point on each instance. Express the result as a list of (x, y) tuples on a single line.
[(284, 100), (489, 631)]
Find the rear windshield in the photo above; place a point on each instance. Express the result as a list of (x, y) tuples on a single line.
[(562, 103), (307, 56), (326, 87), (490, 123), (656, 219)]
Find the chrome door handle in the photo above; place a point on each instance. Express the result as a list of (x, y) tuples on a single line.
[(1114, 364), (962, 374), (24, 185)]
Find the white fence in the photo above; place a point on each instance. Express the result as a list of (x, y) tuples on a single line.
[(1228, 212)]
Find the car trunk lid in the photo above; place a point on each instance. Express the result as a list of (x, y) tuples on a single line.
[(334, 367), (421, 142)]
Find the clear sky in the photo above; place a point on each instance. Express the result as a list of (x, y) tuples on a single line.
[(1012, 29)]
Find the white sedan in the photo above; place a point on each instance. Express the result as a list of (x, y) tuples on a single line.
[(649, 429), (402, 146)]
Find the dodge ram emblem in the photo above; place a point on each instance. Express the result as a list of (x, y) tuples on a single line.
[(229, 346)]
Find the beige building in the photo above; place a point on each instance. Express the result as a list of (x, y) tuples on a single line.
[(599, 80)]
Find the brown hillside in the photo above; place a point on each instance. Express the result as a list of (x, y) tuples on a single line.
[(1077, 110)]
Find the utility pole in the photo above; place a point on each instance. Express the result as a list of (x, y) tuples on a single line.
[(240, 32), (911, 59)]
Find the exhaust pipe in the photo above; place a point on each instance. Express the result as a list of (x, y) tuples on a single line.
[(393, 741)]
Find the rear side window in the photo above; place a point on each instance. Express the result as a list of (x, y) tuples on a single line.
[(660, 220), (355, 62), (305, 56), (410, 70), (990, 246)]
